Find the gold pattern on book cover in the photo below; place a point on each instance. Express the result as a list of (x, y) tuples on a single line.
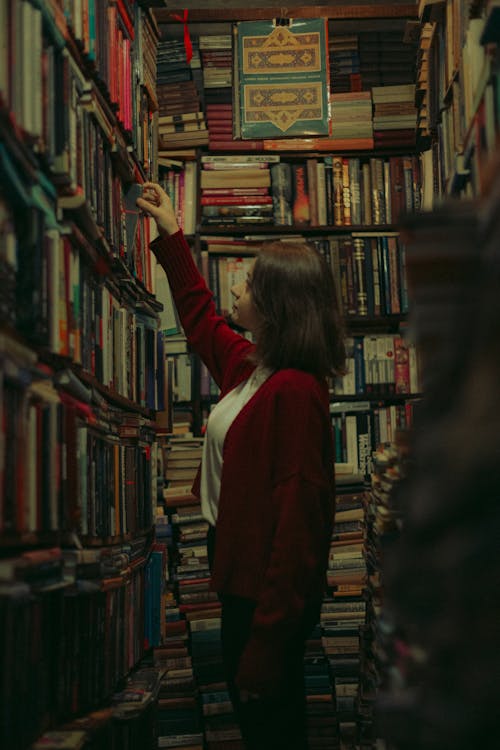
[(282, 52)]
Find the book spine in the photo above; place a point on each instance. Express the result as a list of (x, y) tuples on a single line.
[(355, 193), (401, 366), (346, 194), (301, 200), (338, 191)]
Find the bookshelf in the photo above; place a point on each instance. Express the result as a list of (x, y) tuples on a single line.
[(458, 95), (452, 284), (356, 225), (81, 373), (425, 490)]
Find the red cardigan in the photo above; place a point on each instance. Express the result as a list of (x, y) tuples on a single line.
[(277, 486)]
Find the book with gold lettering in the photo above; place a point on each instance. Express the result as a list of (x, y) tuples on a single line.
[(283, 78)]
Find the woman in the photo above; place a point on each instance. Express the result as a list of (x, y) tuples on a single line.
[(267, 476)]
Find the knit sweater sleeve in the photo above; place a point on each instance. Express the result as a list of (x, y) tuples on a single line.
[(207, 332)]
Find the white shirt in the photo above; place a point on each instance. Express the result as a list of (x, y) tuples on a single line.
[(220, 420)]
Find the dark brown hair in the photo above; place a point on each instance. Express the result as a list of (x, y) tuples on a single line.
[(299, 320)]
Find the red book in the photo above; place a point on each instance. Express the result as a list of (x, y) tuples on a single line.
[(220, 127), (219, 119), (401, 366), (212, 108), (396, 179), (301, 204), (235, 200), (235, 191), (220, 136), (222, 145)]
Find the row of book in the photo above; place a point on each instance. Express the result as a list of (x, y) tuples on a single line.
[(130, 720), (119, 43), (77, 442), (360, 427), (362, 60), (379, 365), (179, 180), (368, 269), (221, 71), (330, 190), (114, 42), (53, 297), (52, 293), (72, 462), (439, 662), (73, 626), (359, 64)]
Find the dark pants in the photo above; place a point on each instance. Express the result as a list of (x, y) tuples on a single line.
[(271, 724), (277, 724)]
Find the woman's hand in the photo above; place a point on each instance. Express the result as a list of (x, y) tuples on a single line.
[(156, 203)]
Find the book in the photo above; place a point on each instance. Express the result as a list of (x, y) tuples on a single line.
[(283, 78), (318, 144), (300, 190), (235, 178)]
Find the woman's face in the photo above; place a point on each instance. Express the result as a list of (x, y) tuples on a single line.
[(244, 313)]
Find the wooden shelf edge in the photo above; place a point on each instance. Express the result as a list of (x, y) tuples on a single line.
[(336, 12)]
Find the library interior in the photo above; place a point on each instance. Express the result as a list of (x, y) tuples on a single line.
[(146, 146)]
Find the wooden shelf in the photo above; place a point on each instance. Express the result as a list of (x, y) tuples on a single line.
[(239, 11), (251, 229)]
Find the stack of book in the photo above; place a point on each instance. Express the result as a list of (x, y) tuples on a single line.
[(220, 124), (181, 122), (422, 85), (179, 105), (198, 606), (344, 607), (134, 708), (183, 130), (383, 522), (179, 716), (344, 63), (394, 115), (178, 98), (220, 727), (386, 58), (236, 190), (322, 727), (351, 115), (130, 720), (217, 61), (155, 574), (179, 706), (216, 57)]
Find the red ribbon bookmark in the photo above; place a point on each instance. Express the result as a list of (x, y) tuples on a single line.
[(187, 39)]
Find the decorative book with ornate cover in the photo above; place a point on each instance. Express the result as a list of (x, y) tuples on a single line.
[(282, 77)]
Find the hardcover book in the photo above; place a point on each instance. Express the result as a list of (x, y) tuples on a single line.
[(283, 78)]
